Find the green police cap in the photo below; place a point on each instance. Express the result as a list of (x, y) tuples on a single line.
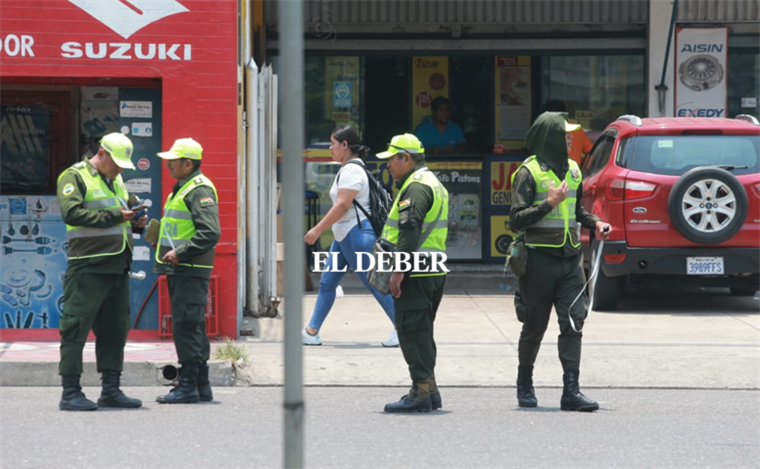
[(119, 146), (183, 148), (408, 143)]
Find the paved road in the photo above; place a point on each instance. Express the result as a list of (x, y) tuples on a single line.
[(478, 427)]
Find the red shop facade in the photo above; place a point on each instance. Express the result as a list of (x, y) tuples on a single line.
[(74, 70)]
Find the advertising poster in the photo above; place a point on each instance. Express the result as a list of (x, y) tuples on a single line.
[(24, 145), (512, 100), (430, 79), (462, 180), (501, 183), (33, 256), (501, 236), (99, 115), (701, 61), (342, 90)]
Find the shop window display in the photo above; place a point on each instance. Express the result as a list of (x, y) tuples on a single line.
[(743, 82), (596, 89)]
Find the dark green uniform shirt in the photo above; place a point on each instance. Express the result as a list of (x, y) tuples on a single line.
[(420, 199), (207, 230), (74, 214), (523, 213)]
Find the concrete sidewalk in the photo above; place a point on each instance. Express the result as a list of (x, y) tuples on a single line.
[(701, 340)]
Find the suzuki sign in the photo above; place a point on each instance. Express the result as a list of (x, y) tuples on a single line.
[(126, 17)]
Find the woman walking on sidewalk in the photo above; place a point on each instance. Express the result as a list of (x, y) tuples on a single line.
[(353, 231)]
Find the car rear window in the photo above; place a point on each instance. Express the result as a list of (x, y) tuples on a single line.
[(676, 154)]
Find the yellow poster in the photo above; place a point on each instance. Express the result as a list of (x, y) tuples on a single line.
[(501, 182), (501, 235), (430, 79), (342, 90), (512, 100)]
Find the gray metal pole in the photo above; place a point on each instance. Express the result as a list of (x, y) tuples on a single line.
[(292, 125)]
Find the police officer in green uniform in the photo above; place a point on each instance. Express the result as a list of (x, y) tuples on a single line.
[(187, 237), (95, 207), (417, 223), (546, 195)]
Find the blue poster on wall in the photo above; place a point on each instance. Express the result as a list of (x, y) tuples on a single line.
[(33, 251), (25, 145)]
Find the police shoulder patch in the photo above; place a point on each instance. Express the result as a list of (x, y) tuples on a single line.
[(68, 189), (199, 180), (403, 218), (79, 165), (404, 204), (207, 201)]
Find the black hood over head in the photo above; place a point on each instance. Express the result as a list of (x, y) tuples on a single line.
[(546, 138)]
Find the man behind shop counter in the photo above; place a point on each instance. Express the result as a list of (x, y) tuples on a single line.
[(439, 135), (99, 224), (578, 143)]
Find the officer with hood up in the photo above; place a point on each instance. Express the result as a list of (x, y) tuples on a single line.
[(546, 195)]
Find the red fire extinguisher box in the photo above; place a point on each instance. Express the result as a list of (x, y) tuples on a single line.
[(165, 309)]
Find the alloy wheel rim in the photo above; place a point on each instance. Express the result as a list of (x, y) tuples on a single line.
[(709, 206)]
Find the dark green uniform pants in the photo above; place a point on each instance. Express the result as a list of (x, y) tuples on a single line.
[(415, 314), (550, 280), (189, 296), (99, 302)]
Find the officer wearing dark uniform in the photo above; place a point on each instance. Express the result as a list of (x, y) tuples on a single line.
[(417, 223), (187, 236), (546, 195), (95, 207)]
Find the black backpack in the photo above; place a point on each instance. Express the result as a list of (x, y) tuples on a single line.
[(380, 202)]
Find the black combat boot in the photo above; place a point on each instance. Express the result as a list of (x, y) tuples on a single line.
[(435, 395), (572, 399), (526, 397), (112, 396), (204, 386), (73, 398), (418, 400), (187, 390)]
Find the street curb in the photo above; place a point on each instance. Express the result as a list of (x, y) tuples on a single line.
[(142, 373)]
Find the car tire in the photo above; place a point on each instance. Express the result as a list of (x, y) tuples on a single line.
[(502, 243), (705, 225), (743, 291), (604, 290)]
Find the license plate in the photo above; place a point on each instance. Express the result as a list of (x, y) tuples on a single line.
[(704, 266)]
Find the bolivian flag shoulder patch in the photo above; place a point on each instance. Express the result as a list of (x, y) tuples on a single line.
[(404, 204), (206, 201)]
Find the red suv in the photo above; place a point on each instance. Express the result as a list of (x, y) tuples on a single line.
[(683, 198)]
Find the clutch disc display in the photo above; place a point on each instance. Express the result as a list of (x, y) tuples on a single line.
[(701, 72)]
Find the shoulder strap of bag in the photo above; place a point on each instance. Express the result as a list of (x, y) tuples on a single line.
[(354, 202)]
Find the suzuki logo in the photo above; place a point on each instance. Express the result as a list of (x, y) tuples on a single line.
[(126, 17)]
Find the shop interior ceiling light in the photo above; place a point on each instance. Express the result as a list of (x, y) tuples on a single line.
[(701, 72)]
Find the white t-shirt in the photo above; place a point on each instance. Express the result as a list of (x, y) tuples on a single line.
[(352, 177)]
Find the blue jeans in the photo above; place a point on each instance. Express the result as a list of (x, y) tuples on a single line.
[(359, 239)]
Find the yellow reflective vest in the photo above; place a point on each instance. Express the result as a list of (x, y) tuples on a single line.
[(434, 226), (86, 242), (558, 226), (177, 226)]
